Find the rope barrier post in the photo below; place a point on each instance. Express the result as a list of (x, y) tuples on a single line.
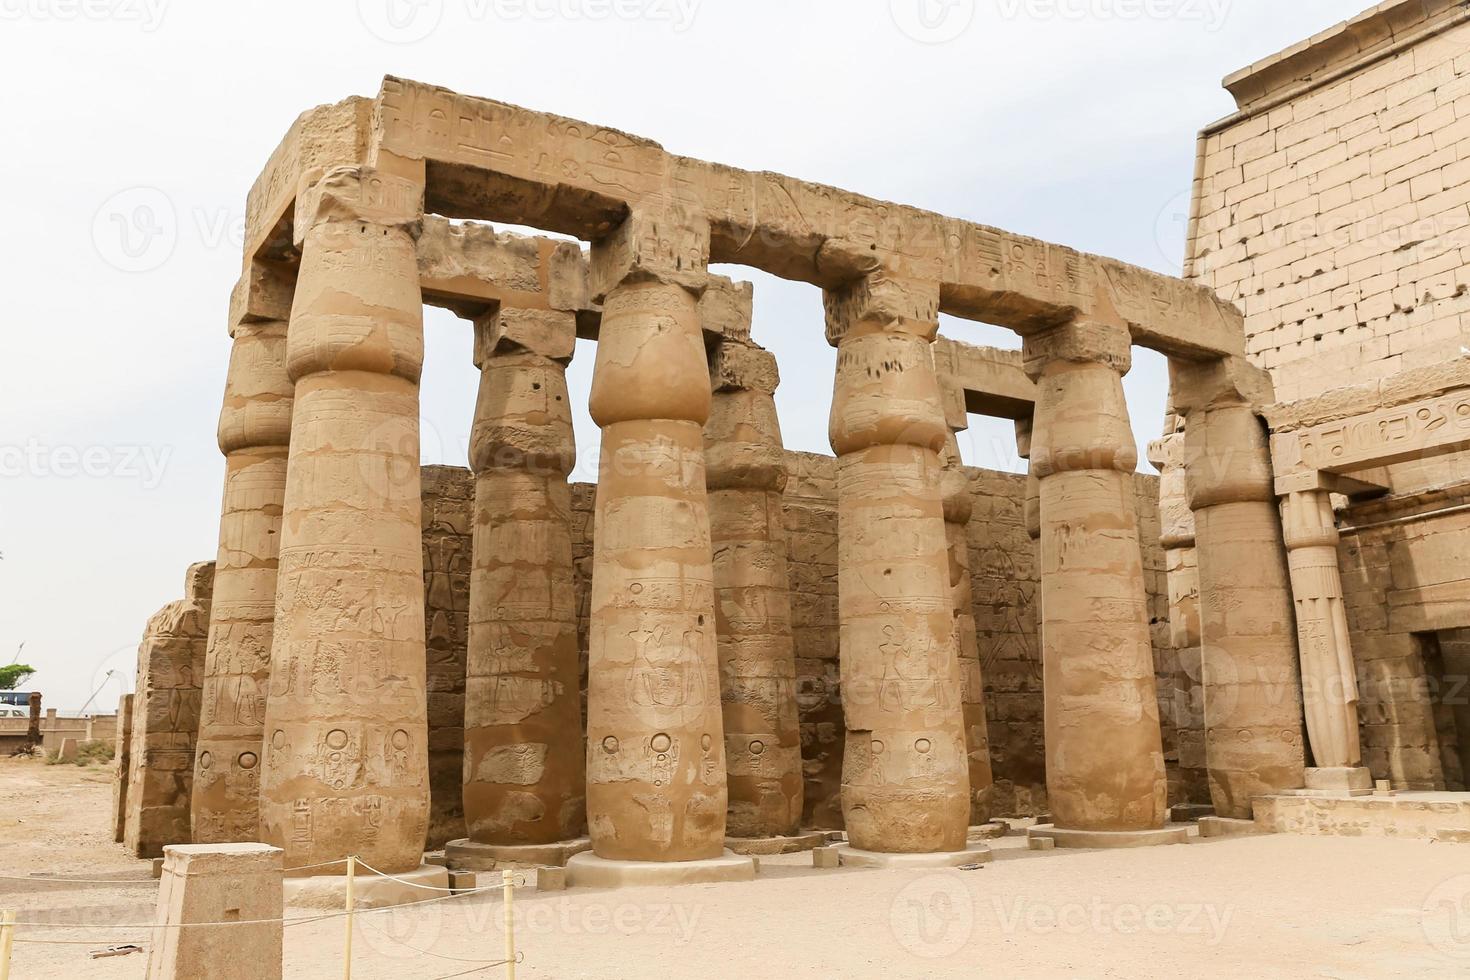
[(509, 891), (347, 948), (7, 939)]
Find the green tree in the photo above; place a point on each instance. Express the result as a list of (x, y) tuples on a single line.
[(14, 676)]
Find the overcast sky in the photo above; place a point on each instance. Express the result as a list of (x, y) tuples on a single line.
[(136, 127)]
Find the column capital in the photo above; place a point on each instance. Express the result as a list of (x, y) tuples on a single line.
[(1081, 342), (736, 366), (550, 333), (264, 292), (1308, 520), (665, 242), (1227, 381), (358, 194), (882, 303)]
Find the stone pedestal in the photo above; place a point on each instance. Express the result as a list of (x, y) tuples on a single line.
[(1329, 676), (218, 883), (166, 719), (1340, 781), (1253, 717), (345, 757), (1107, 839), (905, 785), (656, 789), (468, 855), (254, 435), (1104, 755), (369, 891), (745, 475), (590, 871), (524, 767), (853, 857)]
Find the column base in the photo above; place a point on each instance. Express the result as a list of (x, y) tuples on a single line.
[(1230, 827), (587, 870), (994, 830), (1167, 834), (1190, 812), (369, 891), (468, 855), (851, 857), (776, 845), (1336, 781)]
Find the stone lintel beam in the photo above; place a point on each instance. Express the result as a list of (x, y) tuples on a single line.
[(263, 293), (1430, 426), (982, 381), (492, 161), (1205, 385)]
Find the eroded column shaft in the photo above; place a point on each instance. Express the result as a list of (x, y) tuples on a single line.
[(905, 779), (959, 506), (1253, 718), (1104, 755), (656, 787), (255, 435), (745, 476), (524, 771), (345, 750), (1329, 678)]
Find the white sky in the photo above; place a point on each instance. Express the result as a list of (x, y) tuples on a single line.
[(1070, 120)]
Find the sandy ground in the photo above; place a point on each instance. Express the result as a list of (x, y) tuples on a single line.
[(1255, 907)]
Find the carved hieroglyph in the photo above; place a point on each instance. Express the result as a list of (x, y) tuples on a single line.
[(345, 737), (745, 476), (905, 778), (959, 506), (524, 767), (1253, 718), (254, 435), (1104, 754), (656, 785), (1329, 678), (166, 719)]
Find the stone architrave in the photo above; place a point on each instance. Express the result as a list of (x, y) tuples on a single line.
[(255, 436), (166, 719), (1253, 719), (345, 737), (1329, 677), (656, 784), (746, 476), (524, 767), (905, 781), (1104, 753), (959, 505)]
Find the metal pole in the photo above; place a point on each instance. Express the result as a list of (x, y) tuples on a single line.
[(509, 890), (347, 948), (7, 939)]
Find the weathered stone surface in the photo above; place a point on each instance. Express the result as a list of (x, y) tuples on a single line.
[(345, 749), (448, 513), (166, 718), (235, 885)]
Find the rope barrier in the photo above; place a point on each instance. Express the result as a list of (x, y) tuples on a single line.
[(81, 881), (478, 969), (515, 879)]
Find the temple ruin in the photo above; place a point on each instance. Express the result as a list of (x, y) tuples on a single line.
[(725, 648)]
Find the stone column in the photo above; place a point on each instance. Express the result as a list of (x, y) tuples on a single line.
[(524, 770), (166, 719), (1329, 676), (959, 506), (1253, 720), (255, 436), (225, 884), (656, 785), (905, 785), (1181, 566), (745, 477), (1104, 755), (121, 766), (345, 757)]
